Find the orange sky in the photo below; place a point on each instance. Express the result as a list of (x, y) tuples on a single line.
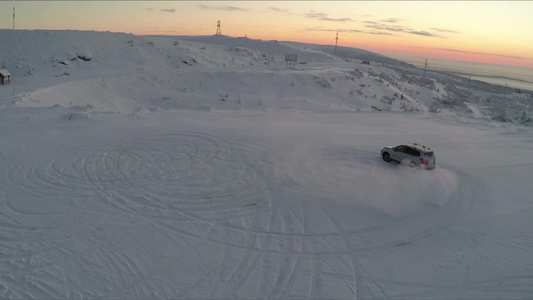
[(499, 32)]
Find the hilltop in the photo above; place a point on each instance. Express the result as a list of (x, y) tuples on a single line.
[(115, 72)]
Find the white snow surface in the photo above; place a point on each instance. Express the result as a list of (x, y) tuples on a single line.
[(138, 167)]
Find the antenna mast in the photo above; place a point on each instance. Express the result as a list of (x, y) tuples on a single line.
[(219, 32), (336, 40)]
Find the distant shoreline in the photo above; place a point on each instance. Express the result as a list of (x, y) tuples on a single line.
[(514, 83), (518, 78)]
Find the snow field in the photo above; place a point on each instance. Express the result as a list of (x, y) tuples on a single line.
[(141, 176)]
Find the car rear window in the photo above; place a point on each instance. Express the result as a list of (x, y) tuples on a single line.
[(412, 151)]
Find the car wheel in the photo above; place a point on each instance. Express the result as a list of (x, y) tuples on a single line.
[(386, 157), (411, 164)]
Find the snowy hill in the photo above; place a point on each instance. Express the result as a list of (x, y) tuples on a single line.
[(222, 72), (144, 167)]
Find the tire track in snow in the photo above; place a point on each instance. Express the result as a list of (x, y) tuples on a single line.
[(144, 199), (199, 208), (154, 197), (503, 287), (35, 182), (44, 189), (294, 221), (121, 175), (200, 188), (355, 268), (201, 194), (401, 228), (47, 189)]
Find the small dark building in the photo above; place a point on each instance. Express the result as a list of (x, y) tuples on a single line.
[(5, 76)]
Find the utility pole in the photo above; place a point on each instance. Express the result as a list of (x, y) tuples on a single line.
[(13, 18), (219, 32), (336, 40), (425, 67)]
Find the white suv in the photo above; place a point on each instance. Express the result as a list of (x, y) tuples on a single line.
[(410, 154)]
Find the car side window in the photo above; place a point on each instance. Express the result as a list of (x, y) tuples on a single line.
[(400, 148), (413, 152)]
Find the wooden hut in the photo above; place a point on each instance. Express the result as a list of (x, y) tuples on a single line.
[(5, 76)]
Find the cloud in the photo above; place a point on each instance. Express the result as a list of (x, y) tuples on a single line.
[(315, 15), (445, 30), (378, 32), (279, 10), (338, 19), (391, 20), (345, 30), (333, 30), (394, 28), (386, 27), (224, 8), (324, 17), (168, 10), (424, 33), (397, 28)]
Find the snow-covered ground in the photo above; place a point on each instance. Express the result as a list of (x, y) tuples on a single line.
[(202, 167)]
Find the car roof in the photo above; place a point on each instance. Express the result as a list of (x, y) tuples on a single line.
[(419, 147)]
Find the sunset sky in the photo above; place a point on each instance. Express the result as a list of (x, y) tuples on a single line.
[(498, 32)]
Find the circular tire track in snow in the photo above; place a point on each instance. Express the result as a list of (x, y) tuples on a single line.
[(176, 177), (204, 188), (46, 187), (402, 197), (193, 185), (172, 179), (192, 176)]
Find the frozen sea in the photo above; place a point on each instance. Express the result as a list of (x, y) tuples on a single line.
[(512, 76)]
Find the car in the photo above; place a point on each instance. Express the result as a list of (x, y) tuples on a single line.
[(413, 155)]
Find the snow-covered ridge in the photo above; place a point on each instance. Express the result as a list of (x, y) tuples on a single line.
[(116, 72)]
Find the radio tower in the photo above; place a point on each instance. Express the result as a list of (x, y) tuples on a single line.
[(13, 18), (425, 67), (218, 28), (336, 40)]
